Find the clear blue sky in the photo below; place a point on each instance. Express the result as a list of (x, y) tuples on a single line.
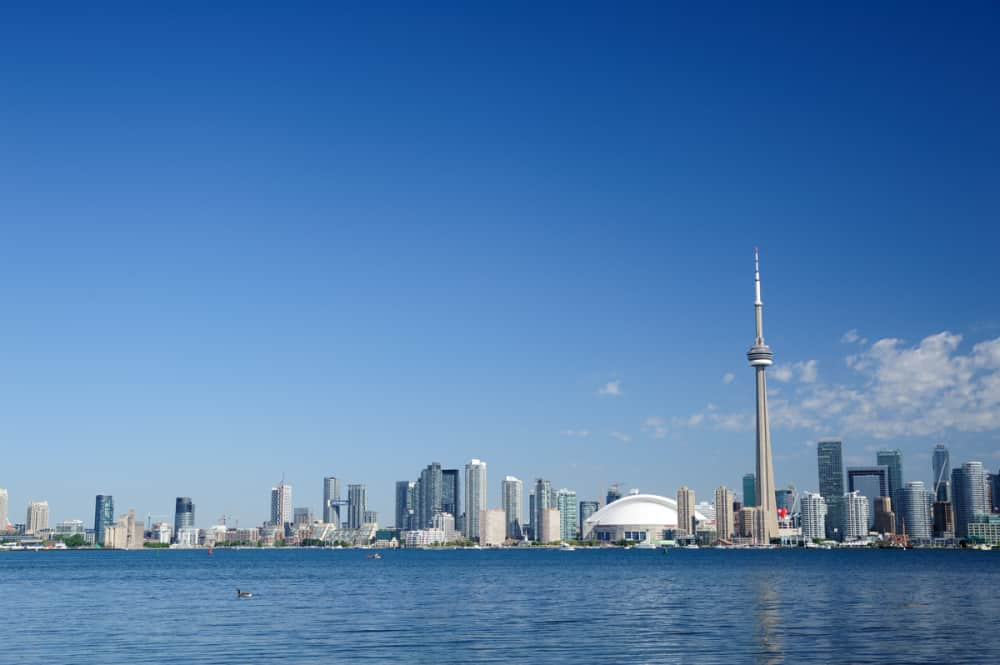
[(241, 242)]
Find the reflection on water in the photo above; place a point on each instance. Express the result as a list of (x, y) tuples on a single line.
[(686, 606)]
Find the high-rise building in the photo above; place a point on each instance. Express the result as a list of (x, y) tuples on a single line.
[(994, 486), (38, 517), (750, 524), (542, 493), (183, 515), (724, 527), (281, 504), (813, 512), (916, 511), (404, 504), (511, 494), (941, 467), (302, 517), (614, 493), (587, 508), (551, 525), (749, 490), (104, 515), (968, 490), (331, 501), (885, 518), (475, 496), (944, 520), (760, 357), (568, 514), (830, 463), (685, 511), (430, 496), (785, 498), (855, 508), (451, 494), (870, 482), (371, 517), (492, 525), (357, 505), (893, 461), (4, 509)]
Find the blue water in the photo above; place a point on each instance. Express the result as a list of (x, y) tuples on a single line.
[(336, 606)]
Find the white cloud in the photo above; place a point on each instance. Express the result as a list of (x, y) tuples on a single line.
[(728, 378), (853, 337), (655, 426), (695, 419), (782, 373), (805, 371), (612, 388), (624, 438), (580, 433)]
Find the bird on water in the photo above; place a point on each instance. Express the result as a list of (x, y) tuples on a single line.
[(243, 594)]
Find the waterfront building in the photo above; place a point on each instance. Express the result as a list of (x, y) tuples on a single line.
[(724, 527), (4, 509), (331, 500), (357, 505), (586, 509), (760, 357), (870, 482), (636, 517), (813, 513), (916, 511), (941, 467), (492, 527), (885, 518), (104, 515), (785, 498), (830, 464), (750, 524), (162, 532), (749, 490), (431, 485), (993, 491), (183, 515), (445, 522), (984, 529), (371, 517), (542, 493), (511, 494), (568, 513), (475, 497), (69, 528), (404, 504), (187, 536), (968, 489), (302, 517), (893, 461), (685, 512), (855, 507), (944, 520), (550, 525), (37, 517), (451, 494), (281, 504), (614, 493)]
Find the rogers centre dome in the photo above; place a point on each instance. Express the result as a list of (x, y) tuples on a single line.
[(636, 517)]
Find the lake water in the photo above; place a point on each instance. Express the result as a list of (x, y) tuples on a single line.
[(336, 606)]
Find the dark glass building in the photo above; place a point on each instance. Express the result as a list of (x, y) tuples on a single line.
[(183, 514), (749, 490), (450, 493), (104, 516), (830, 462), (893, 461), (870, 482)]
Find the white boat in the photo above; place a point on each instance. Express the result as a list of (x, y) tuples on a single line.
[(566, 547)]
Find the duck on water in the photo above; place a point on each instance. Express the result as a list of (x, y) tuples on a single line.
[(243, 594)]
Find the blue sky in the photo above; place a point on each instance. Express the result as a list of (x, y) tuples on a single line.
[(241, 242)]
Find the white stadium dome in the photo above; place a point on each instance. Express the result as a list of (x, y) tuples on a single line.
[(635, 512)]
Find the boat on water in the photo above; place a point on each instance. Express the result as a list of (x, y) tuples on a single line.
[(566, 547), (375, 556)]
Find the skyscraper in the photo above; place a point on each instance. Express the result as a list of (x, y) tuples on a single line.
[(331, 499), (542, 493), (587, 508), (183, 515), (813, 513), (941, 466), (855, 508), (916, 510), (475, 497), (749, 490), (4, 509), (281, 504), (893, 461), (968, 489), (831, 484), (404, 504), (724, 527), (511, 497), (104, 516), (685, 511), (568, 514), (37, 517), (431, 494), (885, 517), (870, 482), (614, 493), (357, 505), (760, 357), (451, 494)]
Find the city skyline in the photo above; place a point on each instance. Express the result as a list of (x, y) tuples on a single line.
[(529, 247)]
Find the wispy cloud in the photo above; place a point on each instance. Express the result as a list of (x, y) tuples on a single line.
[(579, 433), (655, 426), (621, 436), (853, 337), (611, 388), (806, 371), (728, 378)]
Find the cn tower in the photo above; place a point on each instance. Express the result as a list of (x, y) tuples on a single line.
[(760, 357)]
